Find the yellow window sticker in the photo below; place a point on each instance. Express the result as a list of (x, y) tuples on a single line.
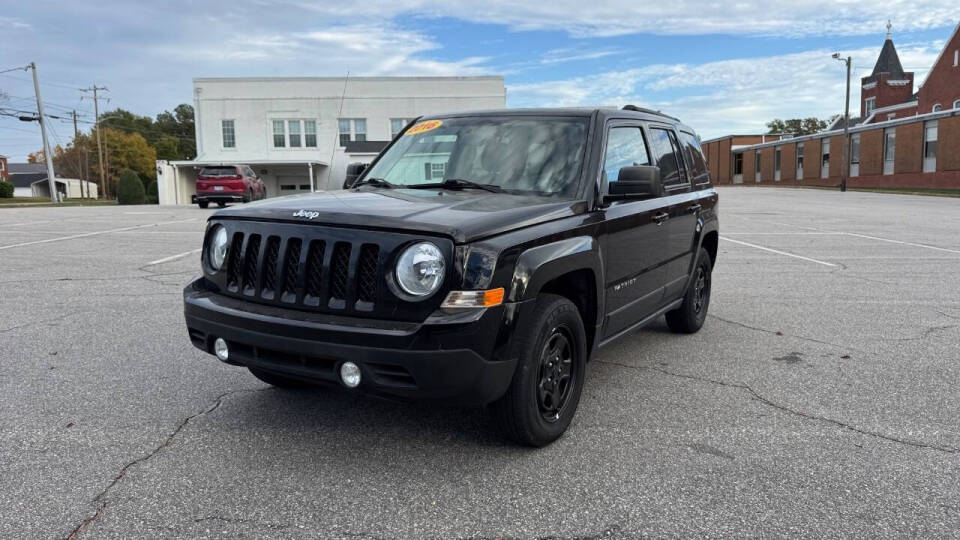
[(423, 127)]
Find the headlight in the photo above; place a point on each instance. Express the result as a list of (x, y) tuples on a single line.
[(217, 250), (420, 269)]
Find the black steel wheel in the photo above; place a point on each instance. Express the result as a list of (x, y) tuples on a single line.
[(551, 352), (690, 316), (203, 204)]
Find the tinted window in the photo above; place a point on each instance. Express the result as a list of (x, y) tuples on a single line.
[(218, 171), (664, 148), (625, 148), (695, 155)]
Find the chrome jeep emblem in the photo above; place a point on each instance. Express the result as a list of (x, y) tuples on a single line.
[(306, 214)]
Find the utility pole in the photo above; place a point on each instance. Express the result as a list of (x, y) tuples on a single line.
[(51, 179), (845, 164), (96, 113), (76, 135)]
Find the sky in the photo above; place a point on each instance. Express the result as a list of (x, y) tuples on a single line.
[(722, 67)]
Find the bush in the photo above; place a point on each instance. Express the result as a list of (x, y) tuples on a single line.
[(153, 196), (6, 190), (130, 188)]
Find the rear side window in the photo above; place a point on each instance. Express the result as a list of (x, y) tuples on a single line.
[(669, 159), (625, 148), (691, 147), (218, 171)]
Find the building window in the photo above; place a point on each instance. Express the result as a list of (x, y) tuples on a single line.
[(229, 136), (757, 162), (937, 108), (800, 161), (310, 133), (825, 159), (855, 154), (279, 138), (352, 129), (889, 149), (776, 164), (738, 164), (956, 104), (293, 129), (930, 146), (870, 105), (397, 125), (435, 171), (956, 58), (891, 116)]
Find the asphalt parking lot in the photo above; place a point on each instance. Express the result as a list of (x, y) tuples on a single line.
[(820, 399)]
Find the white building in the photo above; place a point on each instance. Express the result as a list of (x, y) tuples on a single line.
[(299, 133)]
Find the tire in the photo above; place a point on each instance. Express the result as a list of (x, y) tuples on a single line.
[(278, 380), (203, 204), (527, 414), (248, 196), (689, 317), (222, 204)]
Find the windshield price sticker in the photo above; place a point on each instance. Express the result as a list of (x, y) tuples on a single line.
[(424, 127)]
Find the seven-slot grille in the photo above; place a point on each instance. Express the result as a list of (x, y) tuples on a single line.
[(328, 275)]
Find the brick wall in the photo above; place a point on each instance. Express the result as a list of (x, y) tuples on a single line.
[(836, 156), (767, 165), (909, 153), (943, 83), (871, 152), (811, 161), (726, 167), (748, 167), (948, 144), (788, 162)]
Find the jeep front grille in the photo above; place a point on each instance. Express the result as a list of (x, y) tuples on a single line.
[(278, 269)]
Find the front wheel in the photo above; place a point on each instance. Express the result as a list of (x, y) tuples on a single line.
[(545, 391), (689, 317)]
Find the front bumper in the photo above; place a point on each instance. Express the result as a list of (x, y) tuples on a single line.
[(449, 360)]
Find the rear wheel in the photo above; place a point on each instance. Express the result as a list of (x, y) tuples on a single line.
[(277, 380), (248, 196), (203, 204), (689, 317), (545, 391), (221, 204)]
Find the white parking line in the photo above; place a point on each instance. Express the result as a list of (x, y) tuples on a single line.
[(95, 233), (795, 256), (914, 244), (174, 257)]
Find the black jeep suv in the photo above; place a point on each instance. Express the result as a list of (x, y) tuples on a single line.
[(481, 258)]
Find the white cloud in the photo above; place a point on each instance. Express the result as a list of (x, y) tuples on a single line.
[(685, 17), (728, 96)]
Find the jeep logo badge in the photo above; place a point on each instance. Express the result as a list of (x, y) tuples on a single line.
[(306, 214)]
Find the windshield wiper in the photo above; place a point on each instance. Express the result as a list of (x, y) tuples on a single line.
[(378, 182), (459, 183)]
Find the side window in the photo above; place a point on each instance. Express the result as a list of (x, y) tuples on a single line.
[(695, 155), (665, 148), (625, 148)]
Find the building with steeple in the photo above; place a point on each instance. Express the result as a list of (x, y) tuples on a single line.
[(888, 90)]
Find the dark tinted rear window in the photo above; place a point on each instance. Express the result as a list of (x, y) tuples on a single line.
[(695, 155), (218, 171)]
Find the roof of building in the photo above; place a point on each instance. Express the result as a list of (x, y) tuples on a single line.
[(365, 147), (22, 180), (839, 121), (888, 62), (17, 168)]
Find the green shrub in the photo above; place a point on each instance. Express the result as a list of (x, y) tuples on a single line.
[(130, 188), (6, 190), (153, 196)]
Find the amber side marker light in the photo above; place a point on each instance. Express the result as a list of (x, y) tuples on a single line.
[(473, 299)]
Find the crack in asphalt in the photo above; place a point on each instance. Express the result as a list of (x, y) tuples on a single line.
[(42, 321), (784, 334), (926, 333), (99, 499), (242, 521), (762, 399)]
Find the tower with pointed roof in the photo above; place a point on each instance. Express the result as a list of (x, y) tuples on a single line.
[(888, 84)]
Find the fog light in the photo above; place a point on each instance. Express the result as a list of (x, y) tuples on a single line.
[(350, 374), (220, 348)]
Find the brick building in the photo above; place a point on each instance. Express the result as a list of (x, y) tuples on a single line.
[(902, 139)]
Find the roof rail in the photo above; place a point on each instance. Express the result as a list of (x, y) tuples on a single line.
[(648, 111)]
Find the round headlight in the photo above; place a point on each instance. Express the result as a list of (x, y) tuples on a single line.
[(420, 269), (217, 251)]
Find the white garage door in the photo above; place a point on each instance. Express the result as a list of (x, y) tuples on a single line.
[(289, 185)]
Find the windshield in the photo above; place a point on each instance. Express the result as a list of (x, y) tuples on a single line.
[(218, 171), (522, 154)]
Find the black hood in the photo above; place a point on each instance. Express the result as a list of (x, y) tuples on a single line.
[(463, 215)]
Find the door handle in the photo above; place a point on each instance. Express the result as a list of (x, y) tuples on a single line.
[(661, 217), (694, 208)]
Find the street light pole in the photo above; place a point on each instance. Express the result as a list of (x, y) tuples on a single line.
[(51, 179), (845, 165)]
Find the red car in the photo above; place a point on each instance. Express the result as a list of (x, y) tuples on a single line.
[(228, 183)]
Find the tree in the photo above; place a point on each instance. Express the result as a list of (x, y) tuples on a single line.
[(130, 188), (36, 157), (125, 151), (797, 126)]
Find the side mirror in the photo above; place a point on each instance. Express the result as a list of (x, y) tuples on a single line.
[(354, 170), (640, 182)]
